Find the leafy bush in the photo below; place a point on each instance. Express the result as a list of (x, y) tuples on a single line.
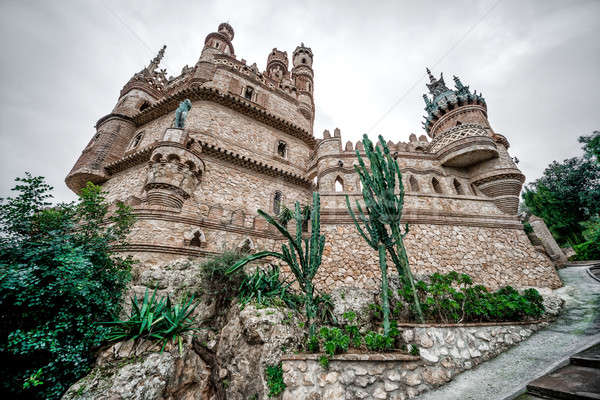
[(155, 319), (324, 305), (58, 276), (335, 341), (264, 287), (378, 342), (452, 297), (216, 283), (274, 374)]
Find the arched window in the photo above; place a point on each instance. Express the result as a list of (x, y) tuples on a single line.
[(277, 202), (282, 149), (136, 140), (436, 185), (339, 184), (458, 123), (458, 187), (413, 184), (197, 239), (144, 105)]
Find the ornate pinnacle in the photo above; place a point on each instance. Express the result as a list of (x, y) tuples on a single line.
[(156, 60), (431, 78), (427, 101), (458, 83)]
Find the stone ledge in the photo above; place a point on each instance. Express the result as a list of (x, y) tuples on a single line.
[(353, 357), (471, 324)]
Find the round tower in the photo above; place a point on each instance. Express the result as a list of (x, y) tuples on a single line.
[(302, 74), (277, 65), (219, 42), (462, 138)]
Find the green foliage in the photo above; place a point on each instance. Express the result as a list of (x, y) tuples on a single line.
[(265, 288), (335, 341), (379, 223), (378, 342), (527, 227), (590, 249), (219, 286), (414, 350), (591, 145), (312, 344), (303, 256), (324, 361), (274, 375), (452, 298), (566, 195), (324, 305), (155, 319), (58, 276)]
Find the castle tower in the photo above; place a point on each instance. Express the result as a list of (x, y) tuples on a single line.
[(277, 65), (219, 42), (462, 138), (115, 131), (303, 75)]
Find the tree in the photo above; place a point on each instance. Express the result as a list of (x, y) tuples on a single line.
[(591, 145), (567, 194), (381, 221), (59, 277)]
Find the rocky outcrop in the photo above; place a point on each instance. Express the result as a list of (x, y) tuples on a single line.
[(140, 371)]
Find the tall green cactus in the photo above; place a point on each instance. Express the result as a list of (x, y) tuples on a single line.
[(383, 208), (303, 262)]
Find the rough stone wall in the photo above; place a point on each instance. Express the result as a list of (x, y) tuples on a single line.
[(444, 353), (493, 257)]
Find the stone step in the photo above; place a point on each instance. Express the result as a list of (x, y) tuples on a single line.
[(572, 382), (589, 358)]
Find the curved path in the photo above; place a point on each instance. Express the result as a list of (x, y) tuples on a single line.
[(506, 376)]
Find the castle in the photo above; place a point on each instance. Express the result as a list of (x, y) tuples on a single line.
[(248, 143)]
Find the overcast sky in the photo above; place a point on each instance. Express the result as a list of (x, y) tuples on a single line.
[(536, 62)]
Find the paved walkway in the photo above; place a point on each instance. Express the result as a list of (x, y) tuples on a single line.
[(504, 377)]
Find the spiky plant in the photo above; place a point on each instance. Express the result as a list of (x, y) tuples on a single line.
[(302, 255), (382, 214)]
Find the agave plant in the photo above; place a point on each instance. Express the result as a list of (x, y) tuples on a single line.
[(264, 286), (381, 217), (155, 319), (303, 256)]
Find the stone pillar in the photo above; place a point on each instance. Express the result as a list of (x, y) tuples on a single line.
[(543, 233)]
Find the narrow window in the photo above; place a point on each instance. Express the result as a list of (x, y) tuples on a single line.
[(304, 61), (282, 149), (413, 184), (458, 187), (248, 92), (277, 203), (339, 184), (436, 185), (136, 140), (458, 123), (144, 106), (196, 240)]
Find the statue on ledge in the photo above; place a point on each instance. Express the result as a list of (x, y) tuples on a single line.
[(181, 113)]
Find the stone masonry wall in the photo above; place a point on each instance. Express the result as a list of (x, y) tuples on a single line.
[(444, 353)]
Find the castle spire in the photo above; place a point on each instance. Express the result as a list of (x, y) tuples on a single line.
[(431, 78), (156, 60)]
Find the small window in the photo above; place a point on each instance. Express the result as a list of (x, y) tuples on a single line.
[(458, 123), (339, 184), (304, 61), (136, 140), (436, 185), (282, 149), (197, 240), (216, 45), (249, 92), (277, 203), (144, 106), (458, 187), (308, 86), (413, 184)]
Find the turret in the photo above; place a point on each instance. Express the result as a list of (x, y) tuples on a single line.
[(462, 137), (219, 42), (277, 65), (115, 131), (302, 74)]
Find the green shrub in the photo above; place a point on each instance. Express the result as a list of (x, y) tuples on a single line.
[(216, 284), (324, 305), (265, 288), (335, 341), (58, 276), (155, 319), (274, 374), (378, 342), (452, 297)]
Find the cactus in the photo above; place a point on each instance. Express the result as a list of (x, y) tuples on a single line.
[(304, 261), (383, 213)]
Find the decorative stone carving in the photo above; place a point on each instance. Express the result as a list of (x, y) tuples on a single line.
[(181, 113)]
